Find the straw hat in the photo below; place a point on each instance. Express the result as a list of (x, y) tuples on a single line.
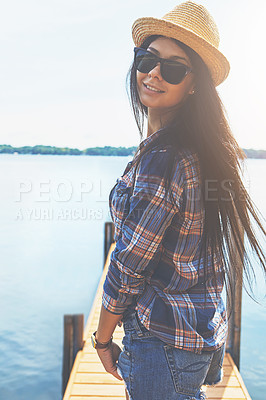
[(193, 25)]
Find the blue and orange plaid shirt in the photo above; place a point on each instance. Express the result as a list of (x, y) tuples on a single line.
[(155, 265)]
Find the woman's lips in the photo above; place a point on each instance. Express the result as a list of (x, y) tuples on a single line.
[(152, 89)]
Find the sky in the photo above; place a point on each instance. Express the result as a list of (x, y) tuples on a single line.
[(64, 64)]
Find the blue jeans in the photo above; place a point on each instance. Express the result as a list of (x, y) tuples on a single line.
[(153, 370)]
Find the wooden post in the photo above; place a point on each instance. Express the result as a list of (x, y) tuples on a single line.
[(108, 237), (237, 322), (234, 325), (73, 342)]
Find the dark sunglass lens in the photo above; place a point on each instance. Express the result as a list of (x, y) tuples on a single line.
[(173, 73), (144, 61)]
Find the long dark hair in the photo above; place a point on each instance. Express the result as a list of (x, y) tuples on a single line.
[(200, 124)]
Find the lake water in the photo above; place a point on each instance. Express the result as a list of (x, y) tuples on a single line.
[(53, 210)]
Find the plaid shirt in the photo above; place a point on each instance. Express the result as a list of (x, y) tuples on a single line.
[(155, 265)]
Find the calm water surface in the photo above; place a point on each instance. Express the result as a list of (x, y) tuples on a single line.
[(53, 210)]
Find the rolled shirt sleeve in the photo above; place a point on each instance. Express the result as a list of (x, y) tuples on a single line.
[(139, 244)]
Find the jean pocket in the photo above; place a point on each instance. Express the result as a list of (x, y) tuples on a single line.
[(188, 369), (124, 367)]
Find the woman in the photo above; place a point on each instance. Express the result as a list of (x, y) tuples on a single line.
[(177, 212)]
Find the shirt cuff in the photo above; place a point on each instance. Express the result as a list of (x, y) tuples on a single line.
[(112, 305)]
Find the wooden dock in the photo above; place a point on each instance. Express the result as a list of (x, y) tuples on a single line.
[(89, 381)]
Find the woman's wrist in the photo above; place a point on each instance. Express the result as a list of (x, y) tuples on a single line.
[(97, 344), (102, 341), (106, 326)]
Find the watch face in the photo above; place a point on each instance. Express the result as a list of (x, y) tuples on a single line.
[(93, 341)]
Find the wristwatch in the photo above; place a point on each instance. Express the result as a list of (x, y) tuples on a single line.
[(99, 345)]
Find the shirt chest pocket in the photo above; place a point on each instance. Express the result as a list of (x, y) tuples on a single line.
[(119, 205)]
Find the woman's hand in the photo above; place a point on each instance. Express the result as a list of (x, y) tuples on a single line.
[(109, 357)]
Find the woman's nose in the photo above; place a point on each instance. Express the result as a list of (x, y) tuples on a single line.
[(156, 72)]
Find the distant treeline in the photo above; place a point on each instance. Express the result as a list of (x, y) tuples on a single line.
[(94, 151), (251, 153)]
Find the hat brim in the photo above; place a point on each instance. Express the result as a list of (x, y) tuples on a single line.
[(216, 62)]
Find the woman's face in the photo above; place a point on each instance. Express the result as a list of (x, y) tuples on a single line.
[(167, 96)]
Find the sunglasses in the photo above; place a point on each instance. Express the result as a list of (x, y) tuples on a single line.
[(172, 71)]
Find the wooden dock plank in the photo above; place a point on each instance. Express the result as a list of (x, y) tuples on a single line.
[(225, 393), (90, 381), (97, 397), (93, 390)]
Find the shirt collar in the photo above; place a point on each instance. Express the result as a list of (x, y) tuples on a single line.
[(149, 139)]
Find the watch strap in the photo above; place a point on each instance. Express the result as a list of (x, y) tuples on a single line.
[(98, 345)]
